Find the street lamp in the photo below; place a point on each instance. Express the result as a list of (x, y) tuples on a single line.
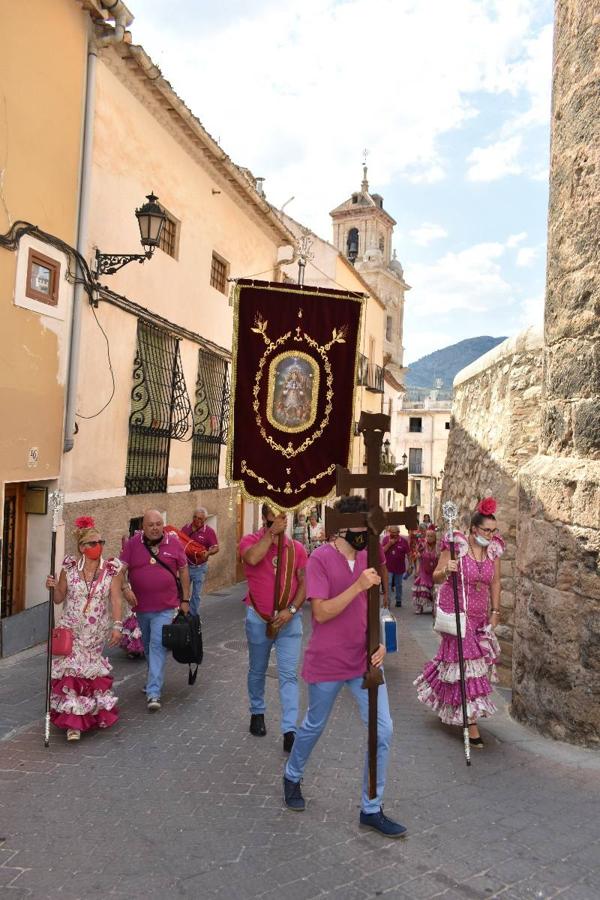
[(386, 449), (404, 458), (151, 219)]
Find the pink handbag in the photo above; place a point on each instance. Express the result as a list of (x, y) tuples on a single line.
[(62, 641)]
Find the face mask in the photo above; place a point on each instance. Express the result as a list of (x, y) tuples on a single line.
[(483, 542), (356, 539), (93, 552)]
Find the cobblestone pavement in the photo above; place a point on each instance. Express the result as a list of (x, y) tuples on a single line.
[(186, 803)]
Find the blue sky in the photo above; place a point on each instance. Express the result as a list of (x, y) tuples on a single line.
[(452, 100)]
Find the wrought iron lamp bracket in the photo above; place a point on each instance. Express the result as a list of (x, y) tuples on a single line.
[(109, 263)]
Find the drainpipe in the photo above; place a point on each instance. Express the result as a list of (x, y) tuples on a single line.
[(122, 18)]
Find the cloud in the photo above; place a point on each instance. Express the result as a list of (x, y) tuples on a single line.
[(427, 232), (495, 161), (270, 75), (469, 280), (532, 312), (514, 239), (526, 256)]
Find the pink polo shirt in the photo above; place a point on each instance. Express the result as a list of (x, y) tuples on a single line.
[(205, 535), (153, 586), (261, 577), (337, 649)]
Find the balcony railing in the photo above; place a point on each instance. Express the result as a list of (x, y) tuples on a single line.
[(370, 375)]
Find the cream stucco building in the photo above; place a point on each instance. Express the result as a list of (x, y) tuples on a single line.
[(116, 389), (41, 132), (421, 432)]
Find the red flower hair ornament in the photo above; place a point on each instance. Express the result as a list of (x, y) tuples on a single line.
[(84, 522), (487, 506)]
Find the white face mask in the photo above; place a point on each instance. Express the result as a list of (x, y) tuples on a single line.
[(483, 542)]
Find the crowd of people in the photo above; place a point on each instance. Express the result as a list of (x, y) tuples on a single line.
[(161, 570)]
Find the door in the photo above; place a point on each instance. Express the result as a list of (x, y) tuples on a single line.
[(14, 549)]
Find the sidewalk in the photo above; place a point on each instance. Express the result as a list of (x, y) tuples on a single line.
[(187, 803)]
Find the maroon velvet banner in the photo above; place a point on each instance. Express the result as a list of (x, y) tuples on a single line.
[(294, 371)]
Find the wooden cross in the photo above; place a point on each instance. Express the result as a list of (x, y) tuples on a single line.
[(372, 426)]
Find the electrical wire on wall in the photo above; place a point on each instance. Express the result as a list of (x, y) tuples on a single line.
[(110, 369)]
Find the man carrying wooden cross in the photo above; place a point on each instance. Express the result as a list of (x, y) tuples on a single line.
[(337, 581)]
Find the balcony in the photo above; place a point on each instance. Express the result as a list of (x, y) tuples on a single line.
[(369, 376)]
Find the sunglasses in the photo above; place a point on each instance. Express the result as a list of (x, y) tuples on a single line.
[(100, 543), (490, 531)]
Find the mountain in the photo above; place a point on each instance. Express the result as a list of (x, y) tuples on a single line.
[(445, 363)]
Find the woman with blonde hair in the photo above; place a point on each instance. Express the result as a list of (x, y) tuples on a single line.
[(82, 697)]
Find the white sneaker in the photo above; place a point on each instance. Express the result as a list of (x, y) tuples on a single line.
[(153, 704), (73, 734)]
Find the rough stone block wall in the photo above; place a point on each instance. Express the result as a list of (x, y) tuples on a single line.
[(495, 430), (113, 514), (556, 671), (556, 684)]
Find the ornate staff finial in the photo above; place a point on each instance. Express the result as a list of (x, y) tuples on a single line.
[(450, 513), (57, 499)]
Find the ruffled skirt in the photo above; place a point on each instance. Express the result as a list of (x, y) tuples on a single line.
[(81, 695), (438, 686), (422, 597), (131, 639)]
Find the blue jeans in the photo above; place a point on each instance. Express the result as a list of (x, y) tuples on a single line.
[(395, 579), (321, 698), (287, 649), (197, 576), (151, 624)]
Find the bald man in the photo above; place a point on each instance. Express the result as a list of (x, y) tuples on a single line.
[(156, 568)]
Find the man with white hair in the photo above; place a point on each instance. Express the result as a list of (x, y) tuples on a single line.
[(197, 530)]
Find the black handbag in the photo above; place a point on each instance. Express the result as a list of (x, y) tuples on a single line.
[(183, 637)]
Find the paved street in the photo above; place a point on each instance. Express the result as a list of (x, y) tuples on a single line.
[(186, 803)]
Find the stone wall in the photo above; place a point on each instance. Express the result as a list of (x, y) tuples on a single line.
[(494, 432), (556, 683)]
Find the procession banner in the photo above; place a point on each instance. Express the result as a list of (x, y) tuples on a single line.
[(295, 359)]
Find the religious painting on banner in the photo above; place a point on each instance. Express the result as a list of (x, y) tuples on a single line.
[(295, 358)]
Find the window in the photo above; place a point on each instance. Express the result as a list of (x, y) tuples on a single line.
[(447, 426), (382, 244), (388, 328), (415, 460), (211, 415), (415, 493), (160, 410), (415, 424), (352, 244), (42, 278), (169, 236), (218, 273)]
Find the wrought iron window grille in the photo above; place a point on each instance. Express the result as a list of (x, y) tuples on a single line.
[(211, 417), (160, 410)]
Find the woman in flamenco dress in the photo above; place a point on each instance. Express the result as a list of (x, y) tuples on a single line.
[(81, 693), (478, 568)]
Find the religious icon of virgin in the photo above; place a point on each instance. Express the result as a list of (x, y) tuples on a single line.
[(293, 391)]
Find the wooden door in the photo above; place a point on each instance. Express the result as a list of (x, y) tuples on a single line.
[(14, 550)]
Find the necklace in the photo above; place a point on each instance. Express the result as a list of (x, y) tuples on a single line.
[(480, 564)]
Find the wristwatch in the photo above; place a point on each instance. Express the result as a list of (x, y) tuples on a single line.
[(293, 609)]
